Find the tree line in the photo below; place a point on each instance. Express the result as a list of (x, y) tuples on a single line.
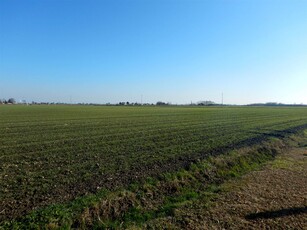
[(9, 101)]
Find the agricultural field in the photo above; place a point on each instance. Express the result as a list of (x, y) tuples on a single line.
[(54, 154)]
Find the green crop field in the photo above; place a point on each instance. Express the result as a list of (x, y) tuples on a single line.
[(52, 154)]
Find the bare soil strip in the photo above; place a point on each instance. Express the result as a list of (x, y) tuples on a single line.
[(273, 198)]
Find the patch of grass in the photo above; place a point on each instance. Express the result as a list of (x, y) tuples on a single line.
[(282, 163), (288, 163), (303, 144)]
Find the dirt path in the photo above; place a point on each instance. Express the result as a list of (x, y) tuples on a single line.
[(273, 198)]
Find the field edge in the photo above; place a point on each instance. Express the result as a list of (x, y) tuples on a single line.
[(157, 197)]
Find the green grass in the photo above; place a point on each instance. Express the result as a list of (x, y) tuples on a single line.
[(53, 154)]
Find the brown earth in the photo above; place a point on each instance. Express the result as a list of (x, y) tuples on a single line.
[(273, 198)]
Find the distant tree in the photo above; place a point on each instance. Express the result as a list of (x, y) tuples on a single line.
[(271, 103), (206, 103), (127, 103), (1, 102), (11, 101), (161, 103)]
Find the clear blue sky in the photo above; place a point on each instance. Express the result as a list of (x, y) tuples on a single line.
[(170, 50)]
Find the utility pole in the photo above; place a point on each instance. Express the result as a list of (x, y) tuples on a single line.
[(222, 98), (141, 99)]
